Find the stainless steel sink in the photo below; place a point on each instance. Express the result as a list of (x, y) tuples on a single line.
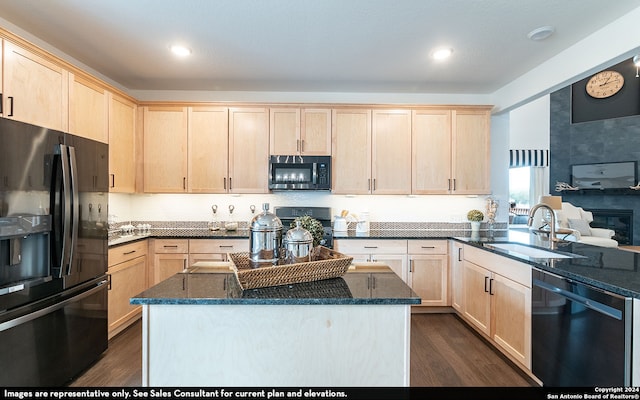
[(527, 251)]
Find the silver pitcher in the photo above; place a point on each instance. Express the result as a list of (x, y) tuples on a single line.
[(265, 240)]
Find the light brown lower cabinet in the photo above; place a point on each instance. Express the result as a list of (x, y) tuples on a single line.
[(456, 265), (215, 249), (170, 256), (429, 271), (422, 264), (127, 277), (497, 301), (392, 253)]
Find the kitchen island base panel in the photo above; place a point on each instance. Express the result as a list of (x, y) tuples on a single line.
[(276, 345)]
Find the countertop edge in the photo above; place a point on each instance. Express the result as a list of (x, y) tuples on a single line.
[(272, 302)]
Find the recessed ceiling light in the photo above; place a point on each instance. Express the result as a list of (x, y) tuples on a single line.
[(541, 33), (442, 53), (180, 51)]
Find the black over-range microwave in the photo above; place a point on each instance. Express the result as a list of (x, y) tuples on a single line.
[(300, 172)]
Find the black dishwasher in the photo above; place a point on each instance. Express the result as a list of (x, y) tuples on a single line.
[(580, 335)]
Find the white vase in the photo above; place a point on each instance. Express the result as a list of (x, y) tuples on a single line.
[(475, 230), (475, 226)]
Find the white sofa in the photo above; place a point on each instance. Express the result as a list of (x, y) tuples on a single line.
[(577, 220)]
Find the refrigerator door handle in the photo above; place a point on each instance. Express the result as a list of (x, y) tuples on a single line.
[(75, 204), (48, 310), (65, 253)]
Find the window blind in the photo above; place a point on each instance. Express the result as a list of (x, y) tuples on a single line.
[(528, 158)]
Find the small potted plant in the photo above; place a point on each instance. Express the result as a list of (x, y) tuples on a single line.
[(313, 226), (475, 217)]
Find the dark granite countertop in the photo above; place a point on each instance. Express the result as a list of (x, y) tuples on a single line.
[(180, 233), (381, 287), (412, 234), (610, 269), (616, 271)]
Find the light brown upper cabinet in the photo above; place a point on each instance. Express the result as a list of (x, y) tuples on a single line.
[(165, 149), (351, 151), (205, 149), (370, 151), (122, 145), (431, 151), (450, 151), (208, 152), (471, 162), (248, 150), (390, 147), (35, 89), (88, 108), (304, 131)]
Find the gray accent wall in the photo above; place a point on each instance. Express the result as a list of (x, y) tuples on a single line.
[(607, 140)]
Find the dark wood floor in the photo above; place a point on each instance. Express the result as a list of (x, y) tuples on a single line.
[(444, 352)]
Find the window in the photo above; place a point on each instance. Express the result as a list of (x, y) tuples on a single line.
[(519, 186)]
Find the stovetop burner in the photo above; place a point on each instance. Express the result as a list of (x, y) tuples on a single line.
[(323, 214)]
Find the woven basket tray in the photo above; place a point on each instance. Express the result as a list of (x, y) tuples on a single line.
[(326, 264)]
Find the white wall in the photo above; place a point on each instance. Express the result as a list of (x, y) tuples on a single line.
[(529, 125)]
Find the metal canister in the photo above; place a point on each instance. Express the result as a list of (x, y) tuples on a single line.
[(265, 241), (298, 245)]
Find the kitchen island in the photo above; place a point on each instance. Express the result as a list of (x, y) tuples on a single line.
[(201, 329)]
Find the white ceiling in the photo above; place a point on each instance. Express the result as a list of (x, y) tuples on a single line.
[(312, 45)]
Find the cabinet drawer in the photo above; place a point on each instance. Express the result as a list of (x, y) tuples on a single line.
[(358, 246), (199, 246), (428, 247), (126, 252), (171, 246)]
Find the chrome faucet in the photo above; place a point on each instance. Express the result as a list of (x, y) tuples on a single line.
[(552, 224)]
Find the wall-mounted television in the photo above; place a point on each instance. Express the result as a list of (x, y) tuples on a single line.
[(614, 175)]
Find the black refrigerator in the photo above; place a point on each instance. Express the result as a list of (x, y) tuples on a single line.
[(53, 254)]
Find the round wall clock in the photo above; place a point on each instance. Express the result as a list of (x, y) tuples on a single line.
[(605, 84)]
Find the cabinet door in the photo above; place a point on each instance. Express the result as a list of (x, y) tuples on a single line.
[(127, 279), (208, 149), (477, 302), (397, 263), (36, 90), (284, 131), (165, 149), (248, 150), (167, 265), (428, 277), (391, 143), (431, 152), (351, 151), (315, 131), (511, 315), (471, 166), (88, 109), (456, 277), (122, 148)]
